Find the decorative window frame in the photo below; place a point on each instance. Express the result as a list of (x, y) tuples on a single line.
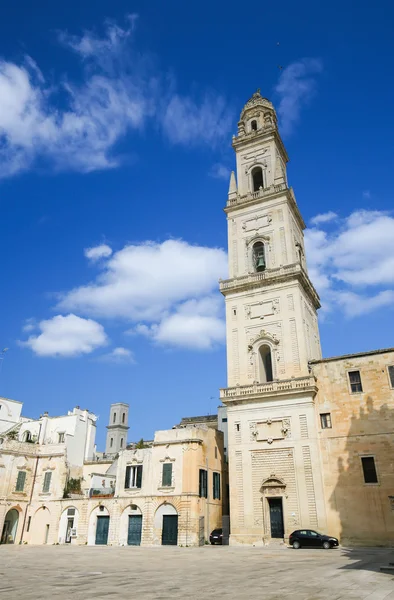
[(264, 339), (248, 172)]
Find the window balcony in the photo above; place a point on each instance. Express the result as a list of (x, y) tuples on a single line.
[(101, 492)]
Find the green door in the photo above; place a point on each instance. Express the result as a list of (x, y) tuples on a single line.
[(102, 531), (169, 536), (135, 529), (276, 516)]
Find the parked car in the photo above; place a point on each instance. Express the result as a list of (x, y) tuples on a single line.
[(216, 536), (307, 538)]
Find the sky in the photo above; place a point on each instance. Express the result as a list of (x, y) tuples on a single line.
[(115, 153)]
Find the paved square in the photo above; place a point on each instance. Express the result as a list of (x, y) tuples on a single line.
[(211, 572)]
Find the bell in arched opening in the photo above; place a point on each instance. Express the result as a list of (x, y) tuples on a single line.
[(259, 256)]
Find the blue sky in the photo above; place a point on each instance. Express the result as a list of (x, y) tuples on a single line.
[(115, 150)]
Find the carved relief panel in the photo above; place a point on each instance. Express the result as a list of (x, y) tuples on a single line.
[(270, 430)]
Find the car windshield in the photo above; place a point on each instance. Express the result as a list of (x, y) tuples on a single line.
[(216, 531)]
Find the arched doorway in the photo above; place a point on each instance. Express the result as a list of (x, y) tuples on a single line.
[(273, 494), (40, 526), (166, 522), (10, 527), (98, 531), (68, 525), (131, 526)]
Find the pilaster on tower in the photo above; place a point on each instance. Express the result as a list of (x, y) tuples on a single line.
[(271, 304)]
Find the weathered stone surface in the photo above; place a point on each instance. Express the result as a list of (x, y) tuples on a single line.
[(64, 572)]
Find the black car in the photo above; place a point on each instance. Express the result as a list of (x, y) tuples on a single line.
[(307, 538), (216, 536)]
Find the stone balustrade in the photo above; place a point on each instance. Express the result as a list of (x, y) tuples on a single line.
[(270, 388), (272, 189), (291, 269)]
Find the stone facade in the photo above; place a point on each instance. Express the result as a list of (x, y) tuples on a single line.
[(361, 425), (285, 472), (46, 505)]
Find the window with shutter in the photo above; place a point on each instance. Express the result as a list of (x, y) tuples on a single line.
[(139, 477), (127, 478), (391, 375), (203, 480), (216, 486), (47, 481), (20, 482), (325, 420), (167, 474), (369, 469), (355, 382)]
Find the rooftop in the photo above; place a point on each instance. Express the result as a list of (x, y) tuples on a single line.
[(356, 355)]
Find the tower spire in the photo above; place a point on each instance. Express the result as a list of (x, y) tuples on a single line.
[(232, 188)]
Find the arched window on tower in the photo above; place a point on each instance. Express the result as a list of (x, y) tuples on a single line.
[(253, 125), (259, 256), (257, 178), (265, 364)]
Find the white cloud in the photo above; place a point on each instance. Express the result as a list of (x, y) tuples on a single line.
[(189, 123), (67, 336), (296, 88), (195, 324), (118, 355), (164, 288), (353, 264), (220, 171), (97, 252), (120, 91), (323, 218), (143, 281)]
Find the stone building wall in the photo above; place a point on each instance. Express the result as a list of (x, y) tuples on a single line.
[(362, 426)]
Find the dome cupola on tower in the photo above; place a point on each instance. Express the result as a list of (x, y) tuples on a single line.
[(258, 114)]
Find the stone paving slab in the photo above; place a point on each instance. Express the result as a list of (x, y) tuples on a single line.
[(94, 572)]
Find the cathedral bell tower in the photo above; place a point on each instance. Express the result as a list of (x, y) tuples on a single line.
[(272, 329)]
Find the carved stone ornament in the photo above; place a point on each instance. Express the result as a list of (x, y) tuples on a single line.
[(167, 459), (253, 431), (273, 485), (263, 335)]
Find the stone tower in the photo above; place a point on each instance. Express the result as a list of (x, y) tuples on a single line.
[(272, 333), (117, 428)]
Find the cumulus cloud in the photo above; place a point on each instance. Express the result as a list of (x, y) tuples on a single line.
[(194, 324), (352, 265), (296, 88), (143, 281), (70, 126), (119, 355), (67, 336), (323, 218), (165, 289), (97, 252)]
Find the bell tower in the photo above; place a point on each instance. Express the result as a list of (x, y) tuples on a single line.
[(269, 296), (271, 322)]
